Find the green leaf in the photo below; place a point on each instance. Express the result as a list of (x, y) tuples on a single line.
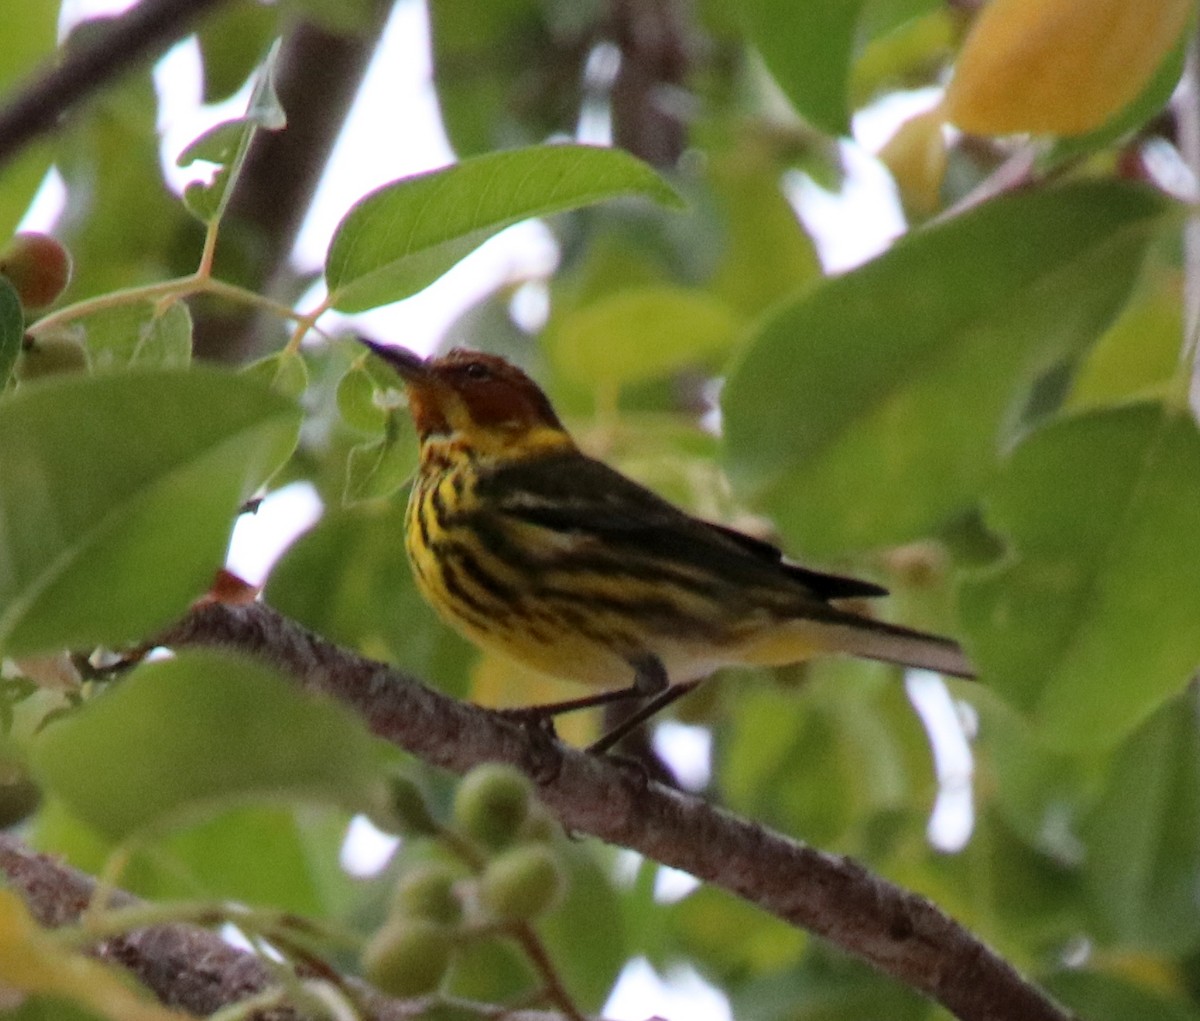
[(356, 401), (349, 580), (120, 219), (30, 31), (44, 1007), (702, 922), (925, 36), (341, 17), (853, 733), (1109, 997), (403, 236), (1000, 887), (1038, 793), (180, 738), (381, 467), (232, 41), (768, 256), (144, 334), (1143, 838), (257, 854), (820, 987), (284, 372), (642, 333), (12, 330), (20, 180), (119, 495), (871, 410), (219, 144), (30, 36), (263, 854), (228, 144), (1088, 624), (1139, 355), (808, 49), (486, 54), (203, 200)]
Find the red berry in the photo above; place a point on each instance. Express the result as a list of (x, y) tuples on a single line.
[(37, 266)]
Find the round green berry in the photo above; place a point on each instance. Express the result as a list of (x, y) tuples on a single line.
[(427, 891), (540, 827), (491, 804), (522, 883), (408, 956), (407, 811)]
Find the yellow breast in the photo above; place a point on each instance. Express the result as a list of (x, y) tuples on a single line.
[(482, 593)]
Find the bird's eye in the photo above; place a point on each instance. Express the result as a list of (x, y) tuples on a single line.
[(477, 370)]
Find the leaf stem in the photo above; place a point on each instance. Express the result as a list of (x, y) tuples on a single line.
[(553, 988), (174, 289), (276, 927), (204, 270), (305, 322)]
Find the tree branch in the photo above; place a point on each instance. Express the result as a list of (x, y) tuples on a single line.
[(184, 965), (652, 38), (115, 47), (897, 932)]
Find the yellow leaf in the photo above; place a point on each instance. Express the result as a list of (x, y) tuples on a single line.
[(916, 157), (1059, 67), (32, 961)]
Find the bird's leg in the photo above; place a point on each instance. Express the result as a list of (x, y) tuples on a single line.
[(649, 679), (651, 708)]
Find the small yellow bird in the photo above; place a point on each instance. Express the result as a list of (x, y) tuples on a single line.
[(536, 551)]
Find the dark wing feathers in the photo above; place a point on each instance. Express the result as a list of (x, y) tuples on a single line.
[(827, 586), (571, 493)]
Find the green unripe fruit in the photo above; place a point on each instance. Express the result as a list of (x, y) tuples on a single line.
[(408, 957), (427, 891), (522, 883), (540, 827), (50, 356), (407, 811), (491, 804), (38, 267)]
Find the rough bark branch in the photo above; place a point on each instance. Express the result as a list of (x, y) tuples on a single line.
[(896, 931), (115, 47), (184, 965)]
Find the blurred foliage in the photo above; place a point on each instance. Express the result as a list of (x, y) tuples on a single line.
[(991, 417)]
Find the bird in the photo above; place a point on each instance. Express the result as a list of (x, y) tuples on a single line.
[(532, 549)]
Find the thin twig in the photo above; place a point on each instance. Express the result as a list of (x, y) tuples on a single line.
[(116, 47), (555, 992)]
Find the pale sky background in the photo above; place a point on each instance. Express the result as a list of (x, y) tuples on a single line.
[(849, 227)]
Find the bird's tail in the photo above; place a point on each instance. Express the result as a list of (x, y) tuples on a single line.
[(838, 631), (891, 643)]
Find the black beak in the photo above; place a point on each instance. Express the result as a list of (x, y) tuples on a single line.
[(410, 366)]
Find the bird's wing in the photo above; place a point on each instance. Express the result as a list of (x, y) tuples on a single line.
[(586, 500), (827, 586)]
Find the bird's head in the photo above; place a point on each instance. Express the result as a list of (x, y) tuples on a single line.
[(476, 398)]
